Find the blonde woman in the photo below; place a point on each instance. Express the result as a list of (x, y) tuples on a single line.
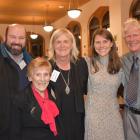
[(69, 79)]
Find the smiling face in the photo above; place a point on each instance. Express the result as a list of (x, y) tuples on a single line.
[(40, 77), (132, 38), (102, 45), (63, 46), (15, 39)]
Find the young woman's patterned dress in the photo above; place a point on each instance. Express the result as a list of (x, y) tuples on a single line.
[(103, 120)]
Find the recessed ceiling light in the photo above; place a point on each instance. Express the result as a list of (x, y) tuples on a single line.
[(61, 6)]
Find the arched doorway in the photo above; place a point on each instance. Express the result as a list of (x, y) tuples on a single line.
[(105, 20), (99, 19), (75, 28), (135, 9), (35, 47)]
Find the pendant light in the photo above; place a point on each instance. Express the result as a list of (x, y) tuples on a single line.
[(73, 11), (33, 35), (47, 27)]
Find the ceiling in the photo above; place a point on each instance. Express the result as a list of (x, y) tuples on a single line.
[(35, 11)]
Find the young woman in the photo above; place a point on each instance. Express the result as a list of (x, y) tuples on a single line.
[(103, 120)]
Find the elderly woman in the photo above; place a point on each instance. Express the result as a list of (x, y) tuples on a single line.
[(69, 80), (35, 115)]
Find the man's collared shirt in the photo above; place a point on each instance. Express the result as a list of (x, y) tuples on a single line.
[(127, 61)]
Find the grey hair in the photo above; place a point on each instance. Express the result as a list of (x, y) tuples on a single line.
[(131, 22)]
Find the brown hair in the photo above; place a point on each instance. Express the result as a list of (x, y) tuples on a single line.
[(36, 63), (114, 64)]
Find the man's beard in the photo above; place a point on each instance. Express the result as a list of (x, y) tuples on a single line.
[(14, 51)]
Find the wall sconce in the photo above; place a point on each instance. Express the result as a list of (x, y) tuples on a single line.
[(74, 12), (47, 27), (79, 36)]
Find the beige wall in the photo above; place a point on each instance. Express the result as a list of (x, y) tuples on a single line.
[(119, 12)]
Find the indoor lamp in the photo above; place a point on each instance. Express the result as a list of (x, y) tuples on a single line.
[(33, 36), (48, 28), (74, 13)]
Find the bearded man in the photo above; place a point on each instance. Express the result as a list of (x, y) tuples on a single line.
[(13, 66)]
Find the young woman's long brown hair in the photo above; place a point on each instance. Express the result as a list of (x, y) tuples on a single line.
[(114, 64)]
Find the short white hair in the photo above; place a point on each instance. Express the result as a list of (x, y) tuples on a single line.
[(131, 22)]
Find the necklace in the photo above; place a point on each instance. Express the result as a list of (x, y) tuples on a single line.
[(67, 89)]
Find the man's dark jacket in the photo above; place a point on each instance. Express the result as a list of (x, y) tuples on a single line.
[(9, 82)]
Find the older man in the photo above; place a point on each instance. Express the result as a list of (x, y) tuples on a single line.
[(13, 64), (131, 64)]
